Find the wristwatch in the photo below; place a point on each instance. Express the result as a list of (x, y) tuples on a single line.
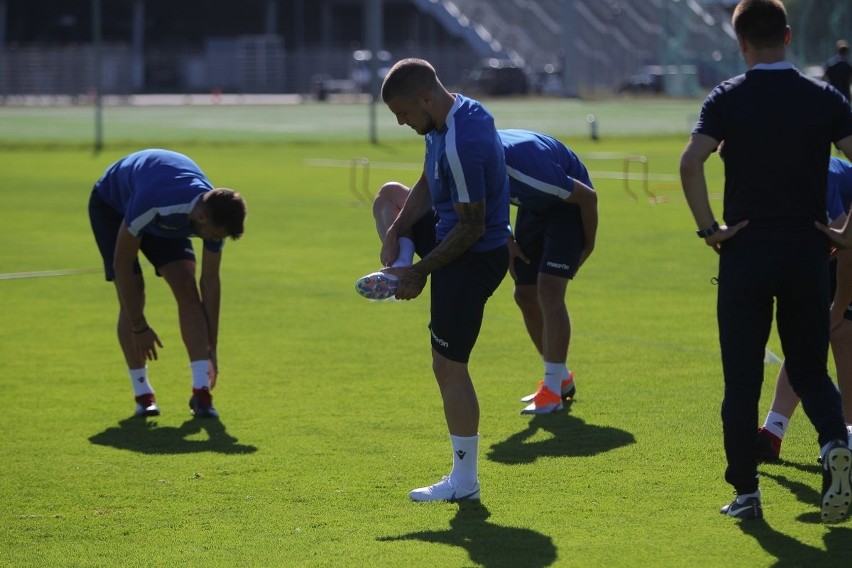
[(711, 230)]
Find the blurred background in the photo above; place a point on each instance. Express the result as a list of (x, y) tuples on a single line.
[(68, 51)]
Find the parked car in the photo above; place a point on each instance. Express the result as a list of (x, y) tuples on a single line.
[(648, 79), (360, 68), (548, 81), (675, 80), (496, 77), (322, 85)]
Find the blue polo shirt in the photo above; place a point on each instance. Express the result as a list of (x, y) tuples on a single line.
[(465, 164), (541, 169), (155, 190)]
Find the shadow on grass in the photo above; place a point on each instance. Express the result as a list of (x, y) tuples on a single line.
[(790, 553), (804, 493), (144, 436), (488, 544), (569, 437), (813, 467)]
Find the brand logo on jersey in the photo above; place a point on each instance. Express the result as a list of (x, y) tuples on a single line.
[(435, 174), (558, 265)]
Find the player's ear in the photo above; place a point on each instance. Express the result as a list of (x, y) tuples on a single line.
[(425, 98)]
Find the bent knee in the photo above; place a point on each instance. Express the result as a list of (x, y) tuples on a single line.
[(180, 276), (393, 192), (526, 297)]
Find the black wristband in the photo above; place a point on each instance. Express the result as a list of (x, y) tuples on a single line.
[(711, 230), (147, 327)]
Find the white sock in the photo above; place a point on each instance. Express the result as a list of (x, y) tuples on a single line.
[(406, 253), (139, 380), (742, 498), (776, 423), (200, 380), (464, 473), (553, 375), (849, 431)]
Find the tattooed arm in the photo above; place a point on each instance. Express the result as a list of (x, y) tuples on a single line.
[(468, 230)]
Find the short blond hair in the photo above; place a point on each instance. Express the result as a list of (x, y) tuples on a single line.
[(408, 78)]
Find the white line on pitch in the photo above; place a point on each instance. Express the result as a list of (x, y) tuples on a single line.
[(46, 273), (349, 163), (329, 163)]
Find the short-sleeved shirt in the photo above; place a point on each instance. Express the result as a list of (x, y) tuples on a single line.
[(156, 190), (833, 203), (840, 185), (778, 126), (840, 181), (541, 169), (465, 164)]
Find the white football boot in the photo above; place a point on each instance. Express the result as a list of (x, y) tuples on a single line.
[(377, 285), (444, 490)]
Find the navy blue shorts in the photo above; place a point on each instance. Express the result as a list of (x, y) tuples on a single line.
[(106, 222), (423, 234), (459, 291), (552, 239)]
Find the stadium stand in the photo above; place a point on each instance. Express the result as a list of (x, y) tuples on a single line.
[(588, 47), (602, 42)]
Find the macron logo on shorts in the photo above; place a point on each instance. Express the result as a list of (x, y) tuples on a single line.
[(557, 265), (438, 340)]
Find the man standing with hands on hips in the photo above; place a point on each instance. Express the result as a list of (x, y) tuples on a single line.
[(772, 245)]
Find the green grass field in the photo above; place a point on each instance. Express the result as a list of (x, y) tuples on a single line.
[(330, 413)]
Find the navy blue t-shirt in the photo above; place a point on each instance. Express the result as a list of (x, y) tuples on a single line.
[(778, 126), (838, 74)]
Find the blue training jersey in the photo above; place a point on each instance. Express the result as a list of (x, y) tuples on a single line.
[(541, 169), (840, 181), (156, 190), (465, 164)]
